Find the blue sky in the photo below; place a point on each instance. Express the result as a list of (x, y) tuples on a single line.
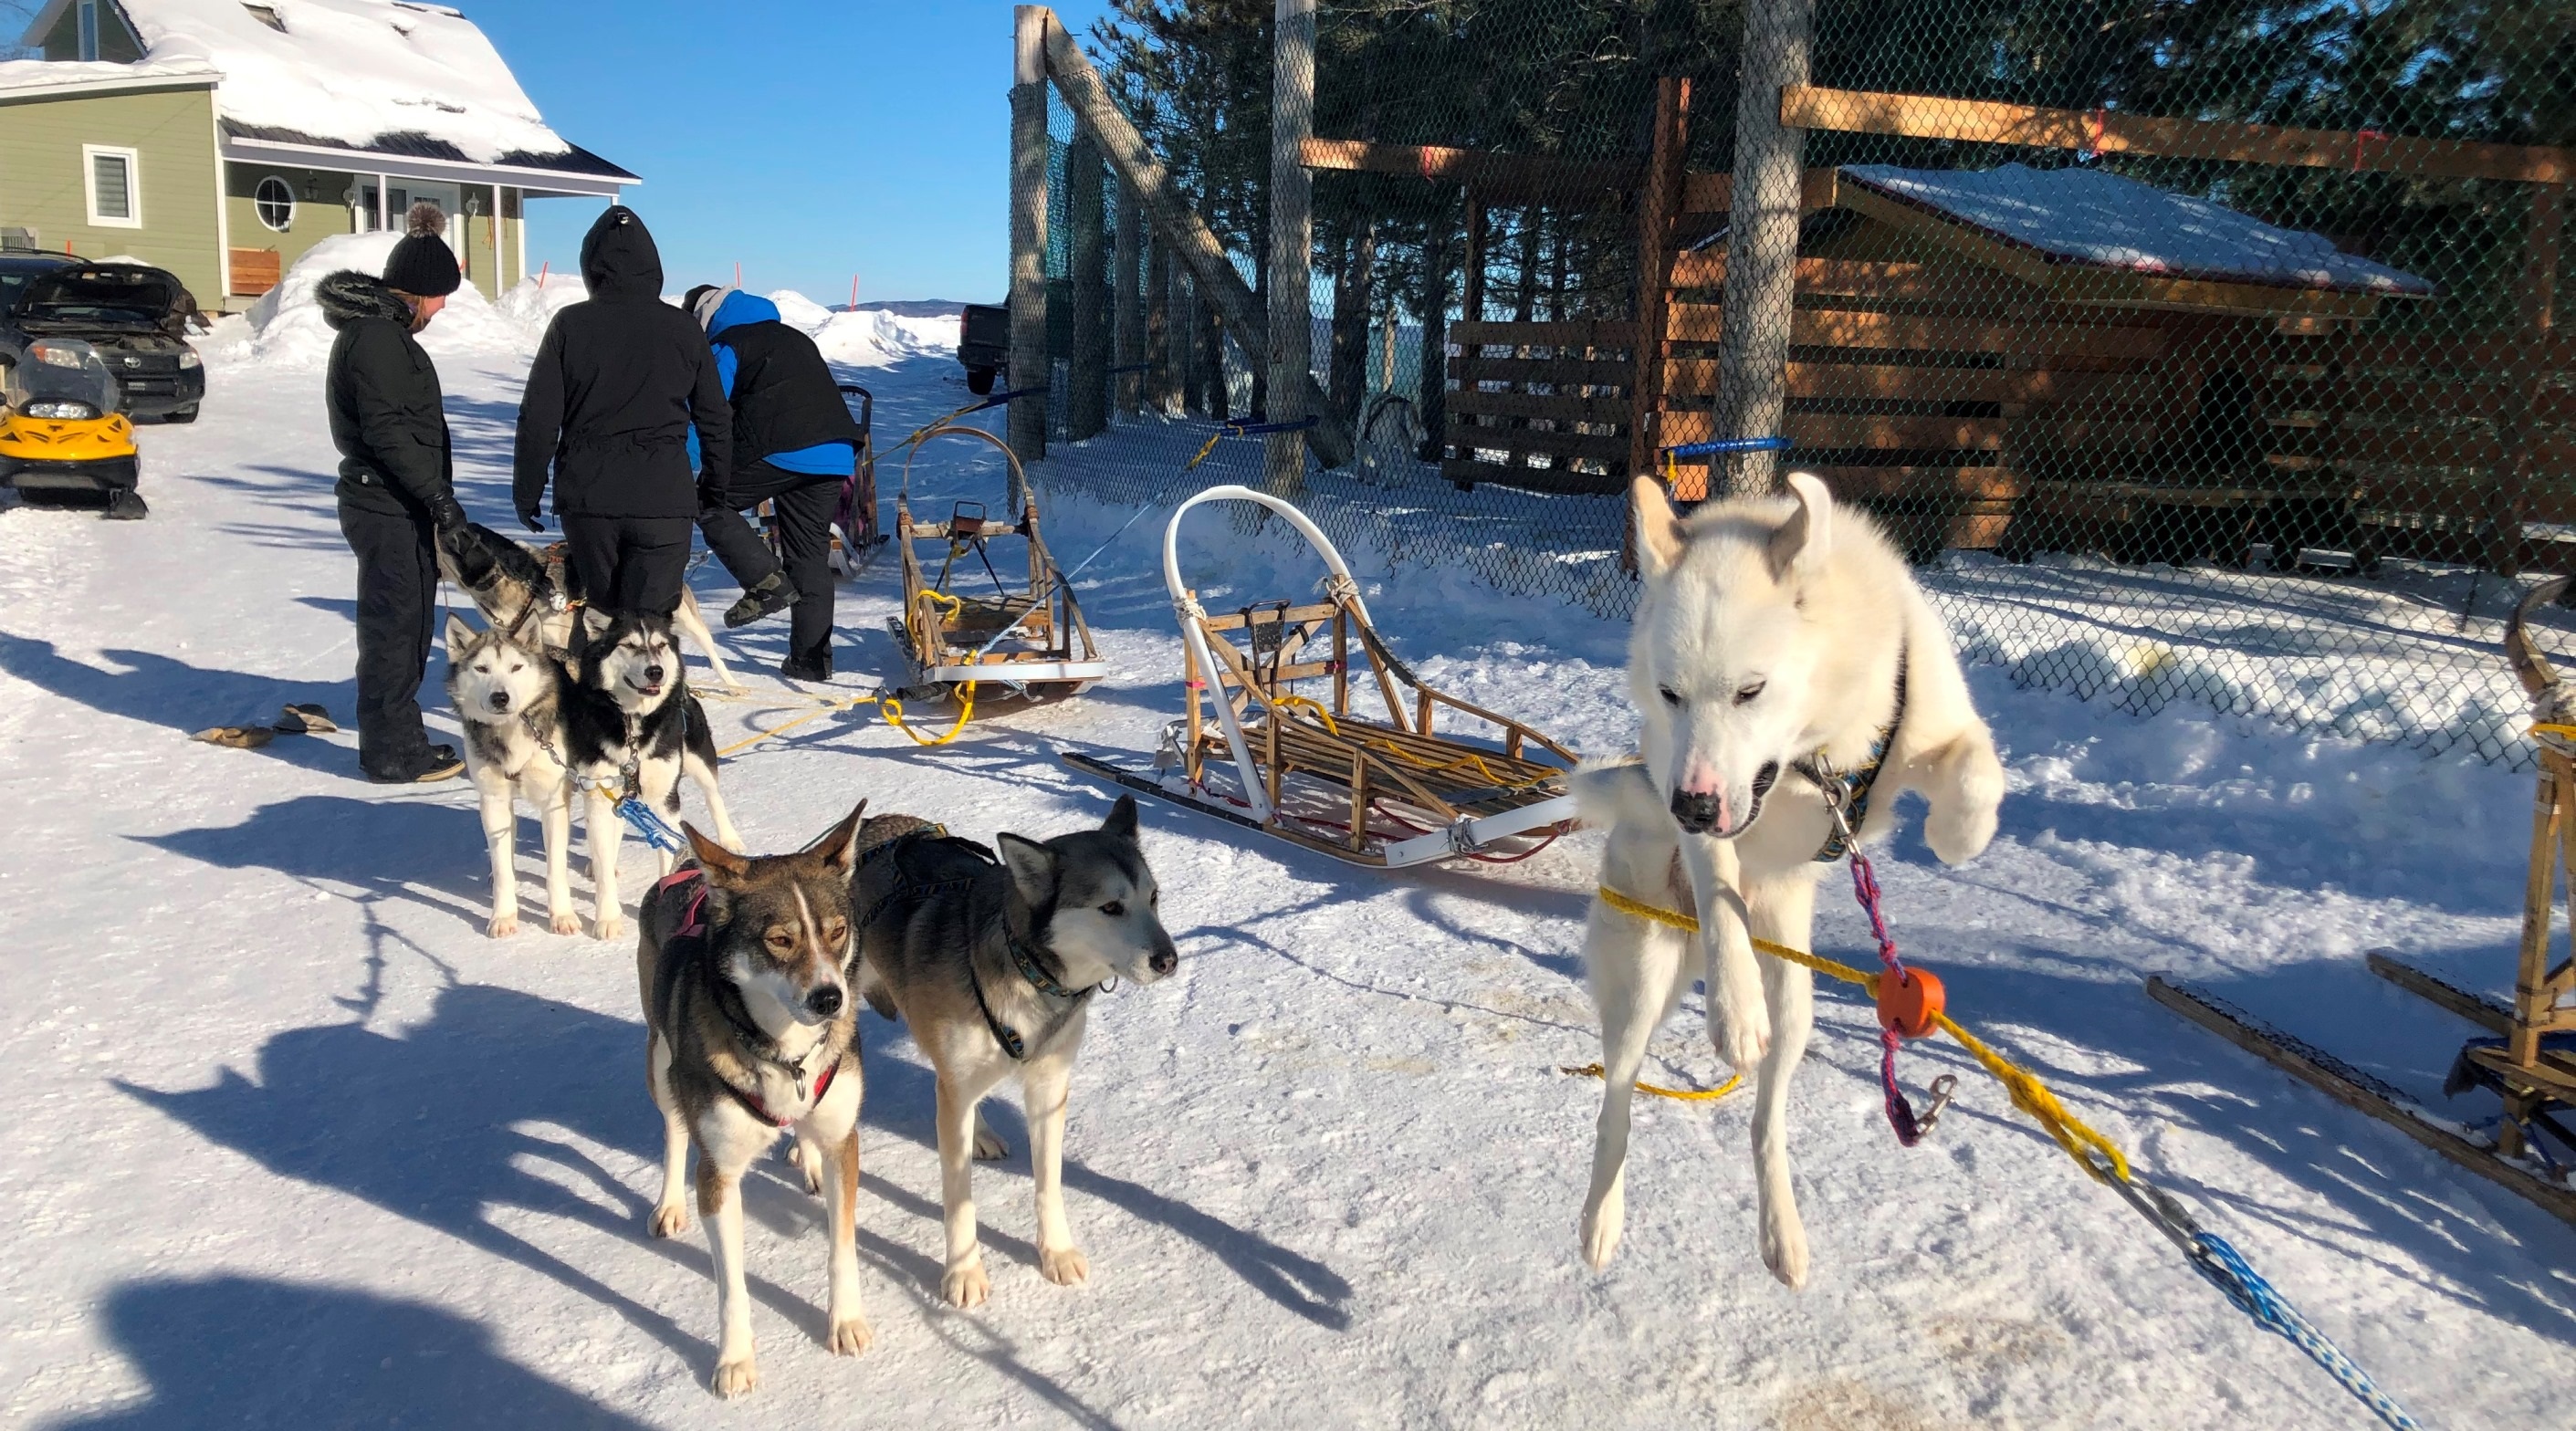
[(807, 141)]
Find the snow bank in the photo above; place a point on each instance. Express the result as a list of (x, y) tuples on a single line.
[(2095, 217), (285, 328), (350, 71), (868, 339)]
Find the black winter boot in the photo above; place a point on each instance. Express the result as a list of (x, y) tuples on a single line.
[(774, 594)]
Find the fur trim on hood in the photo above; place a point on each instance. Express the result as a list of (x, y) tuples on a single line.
[(349, 295)]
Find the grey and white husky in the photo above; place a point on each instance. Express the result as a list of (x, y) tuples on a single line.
[(742, 964), (509, 693), (631, 728), (993, 965), (522, 589)]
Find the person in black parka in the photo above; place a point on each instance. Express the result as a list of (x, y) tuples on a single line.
[(794, 447), (618, 383), (396, 492)]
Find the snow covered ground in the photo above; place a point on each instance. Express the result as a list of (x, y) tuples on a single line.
[(295, 1144)]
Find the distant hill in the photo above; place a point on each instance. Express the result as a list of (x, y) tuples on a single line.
[(908, 308)]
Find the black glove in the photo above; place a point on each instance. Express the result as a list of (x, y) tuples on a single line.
[(446, 515), (529, 516)]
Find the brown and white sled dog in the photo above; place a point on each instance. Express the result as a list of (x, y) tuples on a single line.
[(1780, 643), (993, 965), (509, 693), (751, 1031), (631, 726), (522, 589)]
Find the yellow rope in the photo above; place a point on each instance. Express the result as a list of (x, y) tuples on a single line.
[(965, 712), (2098, 1156), (1680, 1095), (1213, 439)]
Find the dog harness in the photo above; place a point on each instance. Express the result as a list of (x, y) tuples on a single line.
[(1847, 792), (693, 927), (1024, 962)]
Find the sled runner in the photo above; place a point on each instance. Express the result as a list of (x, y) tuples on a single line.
[(1308, 766), (2526, 1053), (1030, 639)]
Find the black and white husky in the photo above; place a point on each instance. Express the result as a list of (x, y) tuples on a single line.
[(522, 589), (631, 730), (509, 693), (992, 965)]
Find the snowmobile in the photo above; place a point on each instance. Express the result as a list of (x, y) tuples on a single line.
[(64, 428)]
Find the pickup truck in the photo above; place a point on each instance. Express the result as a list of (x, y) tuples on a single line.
[(984, 344)]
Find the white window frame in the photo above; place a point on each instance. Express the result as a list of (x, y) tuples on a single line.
[(90, 155), (291, 202)]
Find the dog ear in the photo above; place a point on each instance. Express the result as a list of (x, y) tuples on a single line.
[(839, 844), (1121, 823), (1659, 531), (458, 633), (595, 622), (722, 865), (1805, 537), (1032, 868)]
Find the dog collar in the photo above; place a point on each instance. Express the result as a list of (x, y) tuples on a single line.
[(1847, 792), (754, 1106), (1030, 969)]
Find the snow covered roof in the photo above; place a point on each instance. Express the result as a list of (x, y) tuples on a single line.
[(76, 77), (2102, 220), (388, 76)]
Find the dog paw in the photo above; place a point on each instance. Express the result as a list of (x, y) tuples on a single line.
[(670, 1221), (989, 1146), (564, 922), (735, 1376), (1784, 1251), (1603, 1221), (966, 1285), (1743, 1038), (503, 926), (609, 926), (808, 1162), (850, 1336), (1064, 1266)]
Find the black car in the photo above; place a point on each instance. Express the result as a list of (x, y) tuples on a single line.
[(134, 316), (17, 265)]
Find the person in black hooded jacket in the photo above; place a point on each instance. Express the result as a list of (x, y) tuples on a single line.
[(617, 384), (397, 492)]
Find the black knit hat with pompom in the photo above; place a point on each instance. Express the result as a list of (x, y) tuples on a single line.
[(422, 264)]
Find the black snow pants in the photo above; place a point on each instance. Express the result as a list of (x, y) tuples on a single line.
[(397, 597), (805, 503), (629, 564)]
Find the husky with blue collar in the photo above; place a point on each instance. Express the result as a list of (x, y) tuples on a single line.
[(1784, 664), (994, 964), (631, 730)]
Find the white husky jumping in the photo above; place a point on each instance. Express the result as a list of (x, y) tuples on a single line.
[(1781, 650)]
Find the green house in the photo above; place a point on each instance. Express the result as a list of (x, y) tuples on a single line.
[(221, 139)]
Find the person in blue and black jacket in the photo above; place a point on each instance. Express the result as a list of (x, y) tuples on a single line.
[(794, 446)]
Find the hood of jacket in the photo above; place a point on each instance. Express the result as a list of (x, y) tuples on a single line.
[(739, 308), (349, 295), (618, 259)]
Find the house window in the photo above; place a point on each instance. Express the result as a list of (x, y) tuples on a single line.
[(89, 29), (115, 186), (275, 201)]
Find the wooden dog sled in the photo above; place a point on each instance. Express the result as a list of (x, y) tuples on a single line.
[(1310, 768), (1031, 639)]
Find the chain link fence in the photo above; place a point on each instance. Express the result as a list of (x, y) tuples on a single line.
[(2198, 353)]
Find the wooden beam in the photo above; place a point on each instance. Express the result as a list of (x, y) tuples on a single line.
[(1218, 283), (2332, 1077), (2493, 1015), (1031, 365), (1508, 178), (1655, 214), (1707, 193), (1572, 334), (2107, 131)]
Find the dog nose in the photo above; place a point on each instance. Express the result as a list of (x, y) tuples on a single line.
[(500, 700), (1164, 961), (1695, 812), (652, 675), (825, 1001)]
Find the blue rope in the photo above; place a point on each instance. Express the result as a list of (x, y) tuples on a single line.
[(1727, 445), (2227, 1270), (998, 399), (649, 827)]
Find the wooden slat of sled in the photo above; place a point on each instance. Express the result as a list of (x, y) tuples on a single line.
[(1921, 116)]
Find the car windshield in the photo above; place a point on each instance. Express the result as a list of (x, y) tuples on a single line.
[(96, 296)]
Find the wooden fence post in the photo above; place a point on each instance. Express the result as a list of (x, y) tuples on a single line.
[(1292, 241), (1086, 406), (1030, 367), (2541, 232), (1656, 207), (1162, 377), (1762, 239), (1129, 296), (1431, 399)]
